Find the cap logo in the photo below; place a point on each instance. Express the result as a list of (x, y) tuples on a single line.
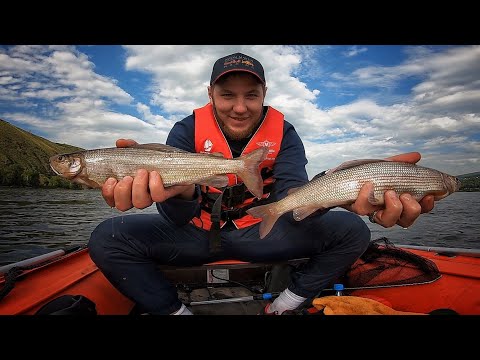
[(232, 61), (237, 62)]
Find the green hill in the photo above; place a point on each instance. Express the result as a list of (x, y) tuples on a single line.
[(470, 175), (24, 157), (470, 182)]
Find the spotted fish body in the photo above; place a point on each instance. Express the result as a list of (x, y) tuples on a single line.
[(342, 185), (176, 167)]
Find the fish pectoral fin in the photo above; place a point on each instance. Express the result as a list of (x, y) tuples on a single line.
[(215, 181), (372, 199), (438, 195), (159, 147), (219, 154), (302, 212), (86, 181)]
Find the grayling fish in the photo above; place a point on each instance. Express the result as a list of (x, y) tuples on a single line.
[(341, 186), (176, 166)]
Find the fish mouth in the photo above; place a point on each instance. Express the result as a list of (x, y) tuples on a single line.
[(458, 184), (67, 175), (55, 170)]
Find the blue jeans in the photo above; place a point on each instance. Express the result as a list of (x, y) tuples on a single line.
[(128, 249)]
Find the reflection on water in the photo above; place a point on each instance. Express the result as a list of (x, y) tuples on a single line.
[(37, 221)]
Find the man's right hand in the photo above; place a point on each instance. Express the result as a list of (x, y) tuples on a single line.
[(143, 190)]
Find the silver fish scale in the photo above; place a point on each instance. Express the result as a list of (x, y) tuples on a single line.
[(342, 187), (121, 162)]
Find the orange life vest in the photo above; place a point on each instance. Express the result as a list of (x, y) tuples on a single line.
[(209, 138)]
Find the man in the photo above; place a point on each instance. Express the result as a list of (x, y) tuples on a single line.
[(196, 225)]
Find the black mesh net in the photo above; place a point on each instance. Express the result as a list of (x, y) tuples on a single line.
[(384, 264)]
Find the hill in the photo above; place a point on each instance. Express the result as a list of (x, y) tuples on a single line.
[(469, 175), (470, 182), (24, 156)]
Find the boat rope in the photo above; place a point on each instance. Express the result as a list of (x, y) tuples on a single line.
[(388, 285)]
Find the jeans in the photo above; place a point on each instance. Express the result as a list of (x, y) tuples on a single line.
[(128, 249)]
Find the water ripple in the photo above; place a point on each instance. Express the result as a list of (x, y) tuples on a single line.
[(37, 221)]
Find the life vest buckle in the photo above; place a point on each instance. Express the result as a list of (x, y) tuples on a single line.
[(234, 195), (233, 214)]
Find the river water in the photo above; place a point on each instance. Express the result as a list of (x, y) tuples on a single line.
[(38, 221)]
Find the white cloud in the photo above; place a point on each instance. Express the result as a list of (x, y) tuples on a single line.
[(436, 115), (354, 51)]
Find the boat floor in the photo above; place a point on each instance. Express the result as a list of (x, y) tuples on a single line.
[(237, 288), (251, 307), (238, 294)]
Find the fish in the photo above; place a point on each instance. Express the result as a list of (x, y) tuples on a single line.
[(341, 185), (176, 166)]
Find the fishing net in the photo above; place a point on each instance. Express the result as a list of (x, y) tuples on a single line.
[(384, 264)]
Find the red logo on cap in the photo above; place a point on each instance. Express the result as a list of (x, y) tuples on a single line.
[(233, 62)]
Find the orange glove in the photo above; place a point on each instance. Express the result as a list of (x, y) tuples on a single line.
[(354, 305)]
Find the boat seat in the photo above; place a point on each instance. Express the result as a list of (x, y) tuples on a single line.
[(235, 264), (223, 271)]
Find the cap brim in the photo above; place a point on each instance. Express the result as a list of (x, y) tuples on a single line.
[(236, 70)]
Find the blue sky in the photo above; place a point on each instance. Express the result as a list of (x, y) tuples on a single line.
[(346, 102)]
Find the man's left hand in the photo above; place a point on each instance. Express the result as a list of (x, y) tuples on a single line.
[(402, 210)]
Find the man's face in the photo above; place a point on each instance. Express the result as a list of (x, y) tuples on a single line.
[(237, 100)]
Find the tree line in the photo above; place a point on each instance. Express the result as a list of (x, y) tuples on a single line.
[(16, 175), (470, 183)]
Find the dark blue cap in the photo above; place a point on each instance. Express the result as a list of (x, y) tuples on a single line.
[(237, 62)]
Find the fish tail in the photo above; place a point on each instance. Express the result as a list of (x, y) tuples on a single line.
[(267, 214), (250, 174)]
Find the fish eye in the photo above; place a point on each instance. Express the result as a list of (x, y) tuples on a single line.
[(61, 157)]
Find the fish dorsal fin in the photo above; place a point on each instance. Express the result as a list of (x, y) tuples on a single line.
[(217, 154), (292, 190), (159, 147), (320, 175), (353, 163)]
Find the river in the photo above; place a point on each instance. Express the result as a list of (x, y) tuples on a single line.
[(37, 221)]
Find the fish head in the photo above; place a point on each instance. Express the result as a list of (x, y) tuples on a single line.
[(67, 165), (452, 184), (456, 184)]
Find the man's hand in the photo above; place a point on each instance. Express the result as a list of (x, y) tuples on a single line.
[(143, 190), (402, 210)]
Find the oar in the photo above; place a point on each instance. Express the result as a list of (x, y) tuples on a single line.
[(40, 258)]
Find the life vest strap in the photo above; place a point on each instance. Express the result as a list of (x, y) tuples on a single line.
[(215, 241), (235, 194), (231, 196), (238, 213)]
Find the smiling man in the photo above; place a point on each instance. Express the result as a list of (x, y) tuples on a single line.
[(196, 225)]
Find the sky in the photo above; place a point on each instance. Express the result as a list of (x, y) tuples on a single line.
[(345, 101)]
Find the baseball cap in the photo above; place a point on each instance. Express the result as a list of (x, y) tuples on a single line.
[(237, 62)]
